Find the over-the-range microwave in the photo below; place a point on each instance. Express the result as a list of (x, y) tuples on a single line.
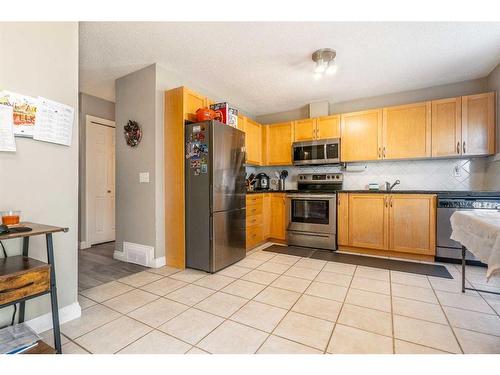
[(324, 151)]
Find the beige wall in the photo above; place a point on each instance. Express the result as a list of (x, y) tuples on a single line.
[(41, 179)]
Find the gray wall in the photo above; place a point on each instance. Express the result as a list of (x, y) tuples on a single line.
[(436, 92), (140, 216), (93, 106), (135, 202), (41, 179), (492, 180)]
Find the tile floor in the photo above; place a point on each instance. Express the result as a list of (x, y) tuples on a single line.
[(274, 303)]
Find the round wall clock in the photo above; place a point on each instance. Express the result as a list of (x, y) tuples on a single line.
[(133, 133)]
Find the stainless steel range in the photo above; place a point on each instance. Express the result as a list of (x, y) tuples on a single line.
[(311, 211)]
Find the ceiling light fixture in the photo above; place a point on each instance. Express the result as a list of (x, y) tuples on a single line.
[(325, 61)]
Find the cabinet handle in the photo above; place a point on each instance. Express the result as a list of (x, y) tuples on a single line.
[(464, 147), (458, 147), (379, 152), (390, 201), (385, 201), (383, 153)]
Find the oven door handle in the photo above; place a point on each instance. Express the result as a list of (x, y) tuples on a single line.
[(309, 197)]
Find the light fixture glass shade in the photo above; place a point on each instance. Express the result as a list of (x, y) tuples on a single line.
[(321, 66), (317, 76), (332, 68)]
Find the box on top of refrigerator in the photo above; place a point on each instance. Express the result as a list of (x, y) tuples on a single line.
[(225, 113)]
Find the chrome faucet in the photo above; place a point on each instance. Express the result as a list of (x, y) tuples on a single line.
[(388, 185)]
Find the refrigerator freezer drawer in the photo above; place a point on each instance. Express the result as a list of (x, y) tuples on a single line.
[(228, 240)]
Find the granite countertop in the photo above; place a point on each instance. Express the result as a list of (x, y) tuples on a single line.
[(443, 193)]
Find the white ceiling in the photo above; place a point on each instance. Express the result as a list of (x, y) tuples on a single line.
[(266, 67)]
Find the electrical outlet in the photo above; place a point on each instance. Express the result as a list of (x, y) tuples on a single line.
[(144, 177), (456, 171)]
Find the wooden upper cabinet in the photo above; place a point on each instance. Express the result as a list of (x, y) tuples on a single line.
[(324, 127), (447, 127), (361, 134), (368, 221), (478, 124), (328, 127), (412, 223), (241, 122), (343, 219), (193, 101), (407, 131), (278, 141), (304, 130), (253, 142)]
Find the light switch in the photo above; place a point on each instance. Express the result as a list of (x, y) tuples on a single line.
[(144, 177)]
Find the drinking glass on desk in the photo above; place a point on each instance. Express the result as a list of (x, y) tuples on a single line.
[(10, 217)]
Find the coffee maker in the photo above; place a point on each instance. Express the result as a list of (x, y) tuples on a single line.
[(262, 182)]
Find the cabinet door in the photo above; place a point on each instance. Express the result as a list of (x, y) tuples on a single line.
[(279, 143), (304, 130), (241, 122), (361, 134), (407, 131), (478, 124), (253, 132), (446, 127), (368, 221), (328, 127), (193, 101), (343, 219), (278, 224), (266, 216), (412, 223)]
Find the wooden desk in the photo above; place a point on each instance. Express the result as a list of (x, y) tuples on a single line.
[(19, 265), (41, 348)]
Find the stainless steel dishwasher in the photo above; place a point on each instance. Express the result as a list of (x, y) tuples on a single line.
[(448, 203)]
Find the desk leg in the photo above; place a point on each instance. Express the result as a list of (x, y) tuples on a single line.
[(22, 305), (463, 269), (53, 294)]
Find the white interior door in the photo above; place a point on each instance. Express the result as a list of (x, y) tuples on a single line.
[(100, 172)]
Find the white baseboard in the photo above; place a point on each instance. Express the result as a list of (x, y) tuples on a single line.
[(119, 255), (157, 262), (44, 322), (84, 245)]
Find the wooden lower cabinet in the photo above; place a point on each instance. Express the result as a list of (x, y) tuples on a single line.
[(395, 225), (254, 227), (342, 220), (278, 216), (265, 218), (368, 220), (412, 223)]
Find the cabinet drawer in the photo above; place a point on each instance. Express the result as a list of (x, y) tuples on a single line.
[(254, 220), (254, 236), (254, 209), (24, 284), (254, 199)]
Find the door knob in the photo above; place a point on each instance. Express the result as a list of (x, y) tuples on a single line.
[(109, 191)]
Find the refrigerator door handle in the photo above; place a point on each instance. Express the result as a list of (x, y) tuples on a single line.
[(210, 228)]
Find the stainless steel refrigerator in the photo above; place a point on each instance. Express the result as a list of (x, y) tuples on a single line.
[(215, 195)]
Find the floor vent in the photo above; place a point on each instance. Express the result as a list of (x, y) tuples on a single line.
[(138, 254)]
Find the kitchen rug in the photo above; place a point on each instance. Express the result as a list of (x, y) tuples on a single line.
[(366, 261)]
